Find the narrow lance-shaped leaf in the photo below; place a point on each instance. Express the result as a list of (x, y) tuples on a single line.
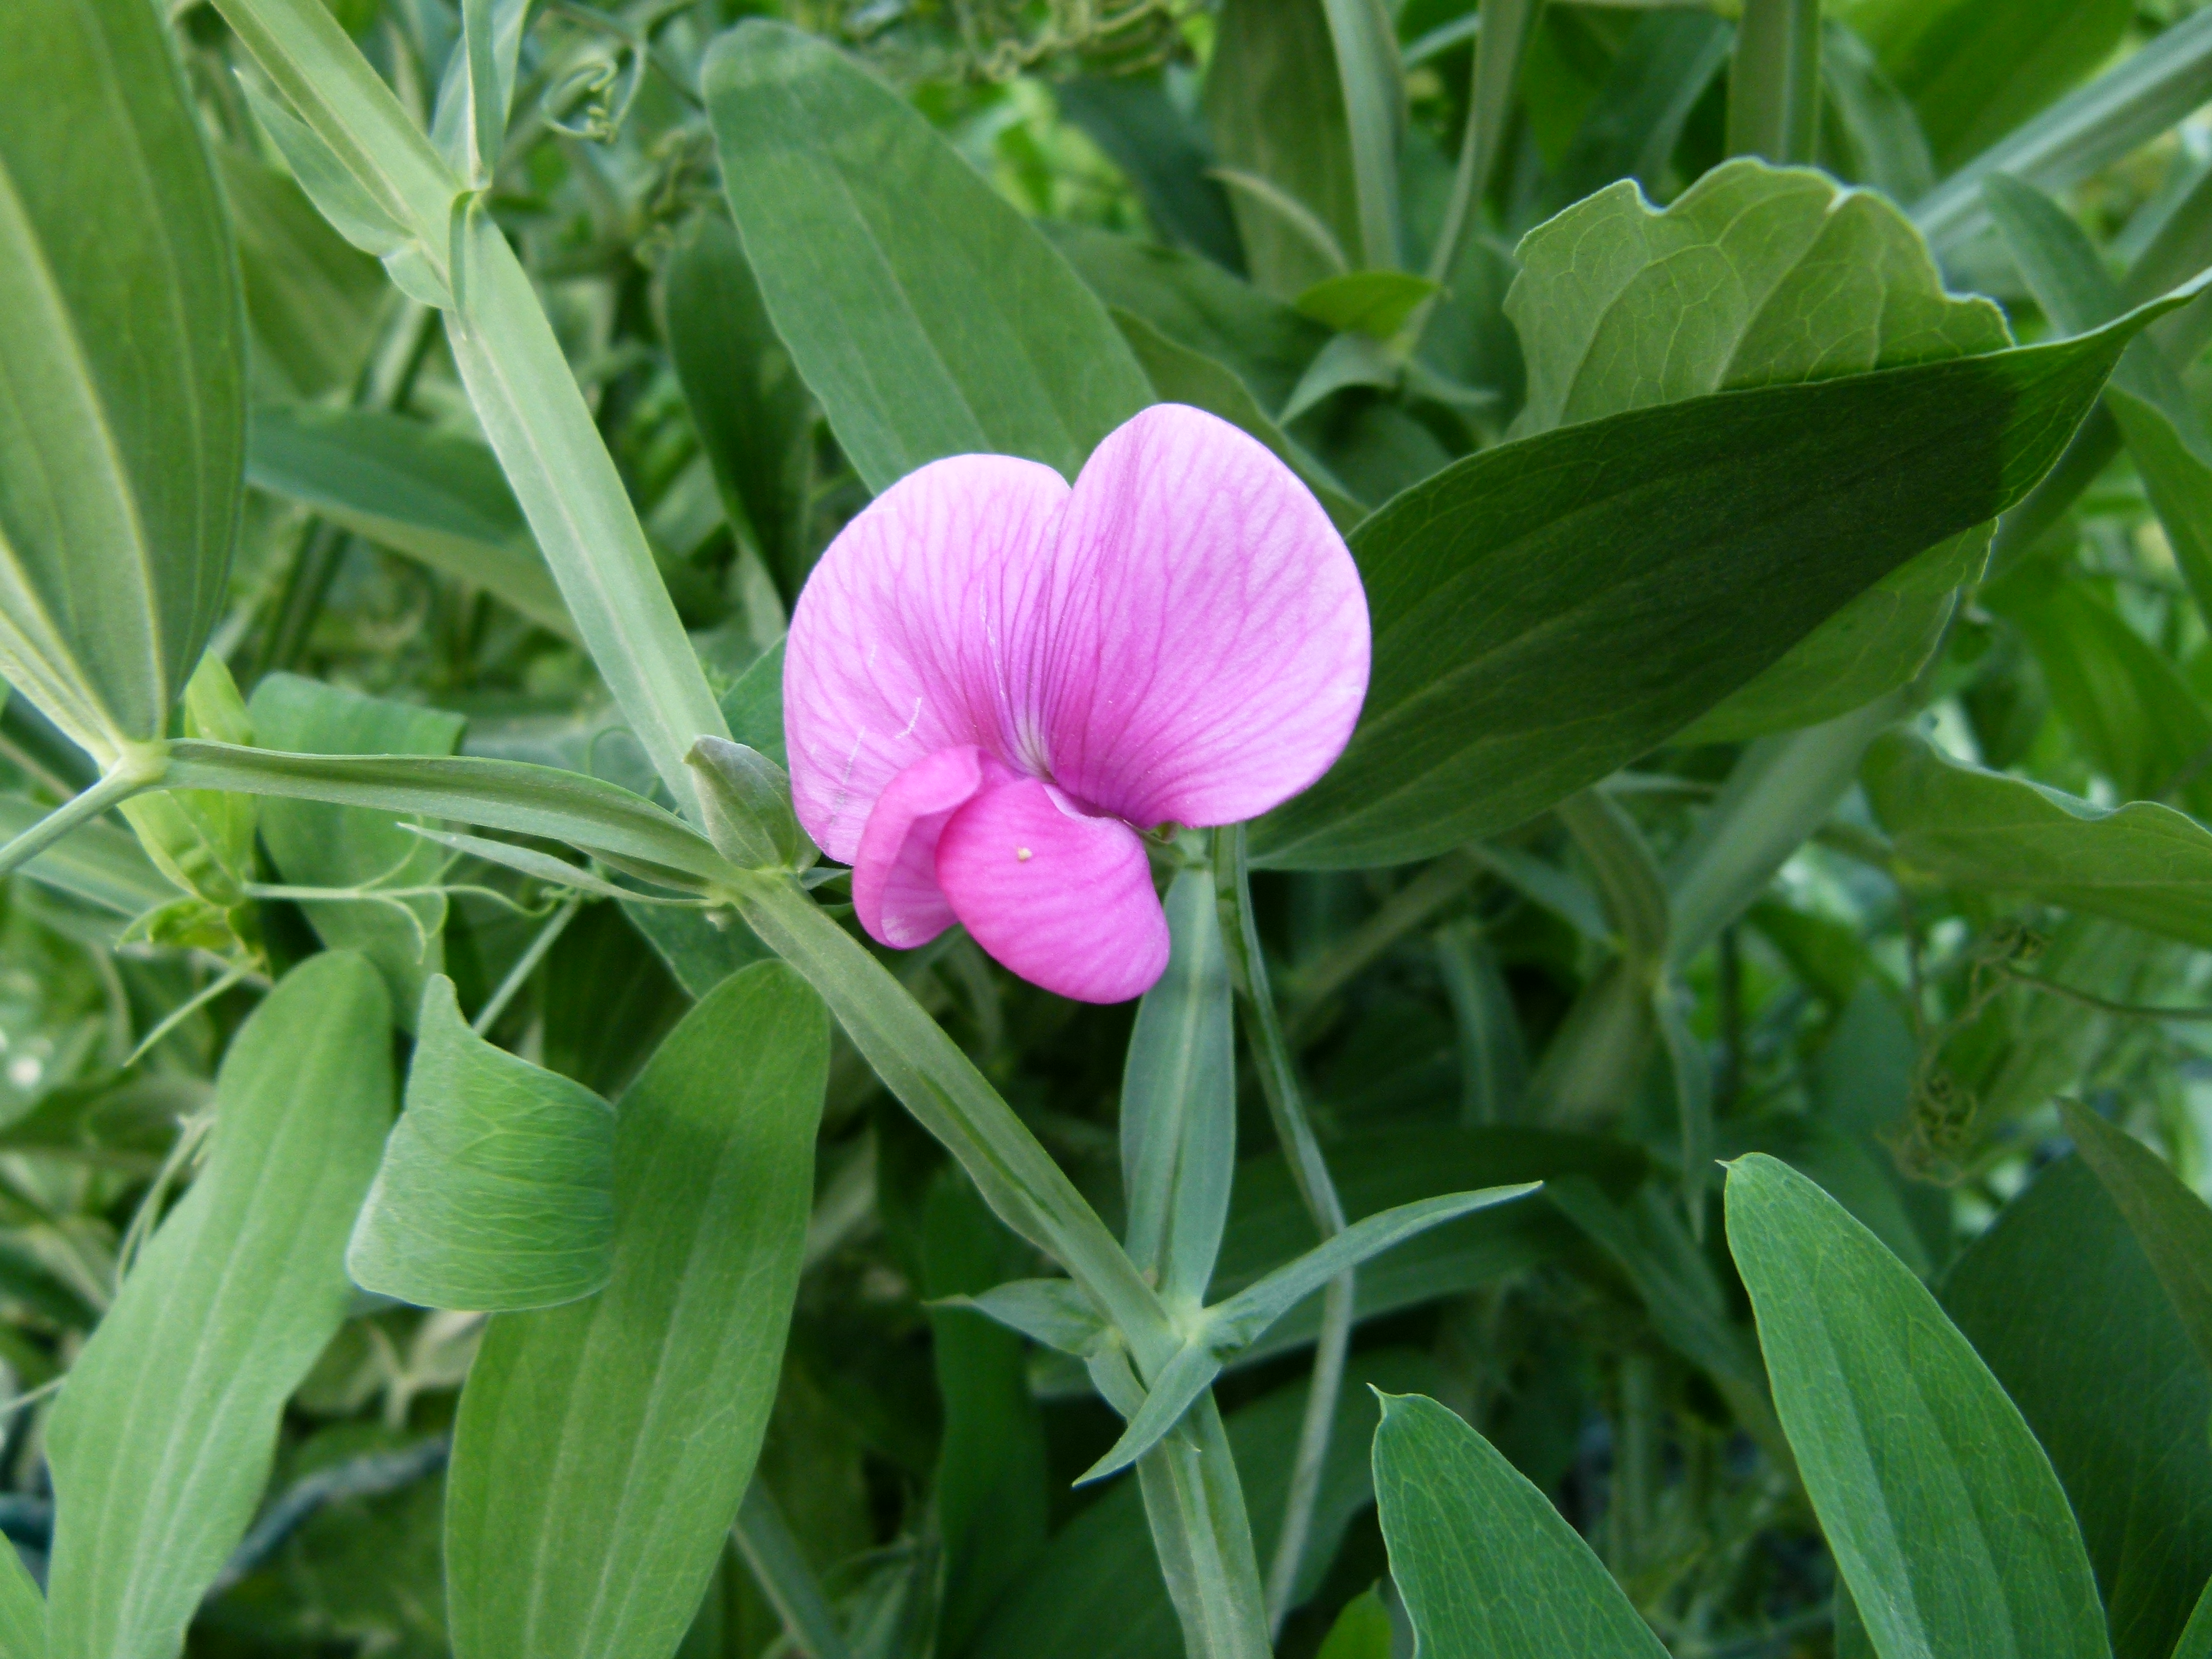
[(121, 397), (2173, 1225), (1596, 547), (1945, 1518), (603, 1447), (496, 1191), (922, 310), (1489, 1570), (233, 1299)]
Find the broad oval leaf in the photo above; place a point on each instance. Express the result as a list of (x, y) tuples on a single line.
[(2060, 1258), (921, 309), (603, 1447), (1944, 1515), (122, 431), (1547, 611), (2143, 864), (1489, 1570), (496, 1191), (237, 1294), (1755, 275)]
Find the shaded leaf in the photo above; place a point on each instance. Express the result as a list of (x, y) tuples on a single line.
[(2171, 1223)]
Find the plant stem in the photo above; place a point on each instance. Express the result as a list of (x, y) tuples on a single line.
[(773, 1557), (135, 770), (2102, 1004), (1774, 87), (1279, 1084), (1506, 27)]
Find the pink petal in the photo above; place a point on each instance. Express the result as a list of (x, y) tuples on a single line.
[(895, 891), (889, 657), (1196, 648), (1063, 899)]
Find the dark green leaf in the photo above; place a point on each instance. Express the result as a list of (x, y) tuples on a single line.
[(496, 1191), (923, 311), (1547, 611), (236, 1296), (1943, 1513), (2061, 1259), (603, 1447), (429, 495), (1165, 156), (2172, 1224), (1631, 130), (122, 424), (1488, 1568)]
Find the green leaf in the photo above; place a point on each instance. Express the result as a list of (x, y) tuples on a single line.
[(2196, 1642), (233, 1300), (1181, 375), (96, 861), (496, 1191), (122, 408), (1276, 109), (753, 705), (1362, 1631), (496, 794), (1164, 155), (1944, 1515), (1756, 276), (755, 418), (1364, 39), (1179, 1103), (2143, 864), (346, 848), (1488, 1569), (603, 1448), (2172, 1224), (921, 309), (745, 798), (2148, 91), (431, 497), (2060, 1258), (311, 300), (22, 1608), (1975, 70), (1373, 302), (1197, 306), (1636, 122), (1545, 610)]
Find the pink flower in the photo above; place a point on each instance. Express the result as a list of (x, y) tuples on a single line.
[(995, 682)]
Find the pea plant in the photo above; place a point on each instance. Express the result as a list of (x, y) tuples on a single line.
[(1105, 828)]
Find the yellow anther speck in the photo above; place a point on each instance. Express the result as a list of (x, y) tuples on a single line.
[(1022, 854)]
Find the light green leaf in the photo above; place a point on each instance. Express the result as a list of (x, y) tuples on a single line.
[(233, 1300), (745, 798), (311, 300), (1373, 302), (496, 794), (123, 398), (496, 1191), (2143, 864), (1545, 610), (1198, 307), (1364, 39), (1362, 1631), (1179, 1103), (1756, 276), (921, 309), (1944, 1514), (2060, 1258), (555, 872), (2148, 91), (1974, 70), (1181, 375), (22, 1609), (755, 418), (96, 861), (753, 705), (2171, 1223), (1275, 105), (1488, 1569), (1051, 1311), (428, 496), (340, 847), (603, 1448)]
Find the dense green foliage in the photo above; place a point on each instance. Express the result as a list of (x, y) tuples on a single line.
[(1693, 1138)]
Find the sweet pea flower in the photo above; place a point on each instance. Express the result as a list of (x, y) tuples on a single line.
[(994, 684)]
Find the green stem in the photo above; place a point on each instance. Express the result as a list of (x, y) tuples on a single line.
[(135, 770), (2102, 1004), (1279, 1085), (1774, 87), (773, 1557), (524, 966), (949, 1097)]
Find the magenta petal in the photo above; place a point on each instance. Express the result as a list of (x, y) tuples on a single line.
[(895, 891), (1063, 899), (892, 656), (1197, 649)]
